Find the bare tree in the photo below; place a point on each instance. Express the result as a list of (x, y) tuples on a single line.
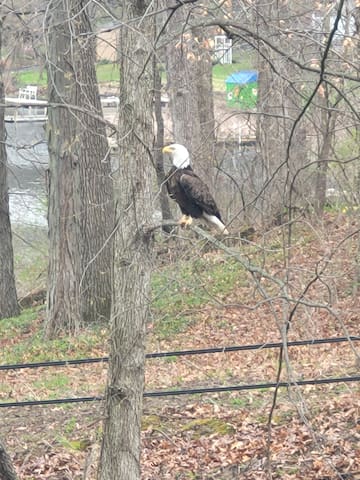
[(356, 17), (327, 122), (9, 306), (205, 98), (356, 56), (120, 453), (280, 138), (189, 73), (80, 186), (159, 143)]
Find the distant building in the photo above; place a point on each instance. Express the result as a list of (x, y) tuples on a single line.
[(242, 88), (222, 49)]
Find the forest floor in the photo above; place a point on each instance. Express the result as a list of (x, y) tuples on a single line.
[(205, 298)]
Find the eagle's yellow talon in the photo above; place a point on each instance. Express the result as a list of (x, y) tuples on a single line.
[(185, 221)]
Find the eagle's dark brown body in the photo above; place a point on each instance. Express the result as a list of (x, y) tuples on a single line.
[(191, 193)]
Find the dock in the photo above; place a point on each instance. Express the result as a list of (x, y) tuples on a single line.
[(26, 107), (32, 110)]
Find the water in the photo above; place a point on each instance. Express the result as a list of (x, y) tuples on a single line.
[(28, 159)]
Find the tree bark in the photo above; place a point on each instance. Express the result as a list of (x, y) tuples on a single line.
[(159, 143), (120, 452), (189, 73), (9, 306), (327, 129), (356, 287), (7, 471), (281, 151), (205, 102), (80, 188), (327, 117), (356, 17)]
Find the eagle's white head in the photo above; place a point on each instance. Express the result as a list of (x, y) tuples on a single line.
[(179, 155)]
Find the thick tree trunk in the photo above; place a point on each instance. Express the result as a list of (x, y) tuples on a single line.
[(327, 129), (281, 151), (181, 76), (189, 73), (80, 187), (9, 306), (159, 143), (120, 453), (7, 471), (205, 103), (328, 120), (356, 18), (356, 288)]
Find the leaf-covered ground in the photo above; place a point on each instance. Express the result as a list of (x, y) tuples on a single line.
[(210, 301)]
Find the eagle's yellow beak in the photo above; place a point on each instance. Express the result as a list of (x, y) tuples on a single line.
[(167, 149)]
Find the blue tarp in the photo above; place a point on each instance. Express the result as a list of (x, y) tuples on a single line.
[(243, 77)]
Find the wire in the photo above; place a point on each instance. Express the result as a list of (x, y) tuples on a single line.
[(193, 391), (53, 401), (256, 386), (237, 348), (54, 363)]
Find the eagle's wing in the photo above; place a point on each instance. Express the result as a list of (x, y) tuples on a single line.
[(170, 183), (198, 192)]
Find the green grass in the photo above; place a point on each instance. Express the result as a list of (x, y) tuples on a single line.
[(33, 76), (77, 444), (179, 293), (30, 257), (221, 72), (53, 382), (208, 426), (11, 328), (109, 72), (23, 340)]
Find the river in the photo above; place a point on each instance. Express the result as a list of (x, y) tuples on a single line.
[(28, 159)]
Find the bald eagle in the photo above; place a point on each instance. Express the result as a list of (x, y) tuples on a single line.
[(189, 191)]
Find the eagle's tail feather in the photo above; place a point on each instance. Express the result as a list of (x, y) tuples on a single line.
[(217, 222)]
